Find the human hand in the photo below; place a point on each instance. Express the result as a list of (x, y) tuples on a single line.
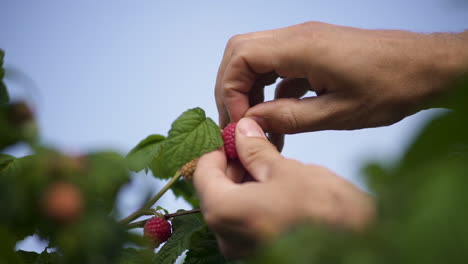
[(363, 78), (284, 192)]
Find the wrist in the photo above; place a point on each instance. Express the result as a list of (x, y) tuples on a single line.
[(443, 60), (450, 56)]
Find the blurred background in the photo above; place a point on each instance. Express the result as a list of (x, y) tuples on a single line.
[(105, 74)]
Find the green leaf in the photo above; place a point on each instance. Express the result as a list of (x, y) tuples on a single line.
[(134, 256), (36, 258), (162, 208), (5, 160), (191, 135), (186, 122), (107, 172), (186, 190), (204, 249), (4, 97), (140, 156), (184, 227)]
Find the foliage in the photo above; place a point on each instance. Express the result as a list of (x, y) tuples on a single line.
[(70, 200), (421, 199)]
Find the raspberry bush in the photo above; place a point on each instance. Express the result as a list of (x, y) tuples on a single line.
[(70, 200)]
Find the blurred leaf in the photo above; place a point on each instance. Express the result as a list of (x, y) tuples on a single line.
[(4, 97), (7, 247), (134, 256), (184, 227), (36, 258), (106, 173), (16, 124), (96, 239), (5, 160), (186, 190), (191, 135), (140, 157), (204, 249)]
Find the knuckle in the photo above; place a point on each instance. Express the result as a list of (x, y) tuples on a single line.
[(235, 40), (229, 88), (288, 116)]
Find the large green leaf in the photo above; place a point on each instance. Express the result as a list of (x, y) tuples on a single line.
[(204, 249), (184, 227), (141, 155), (191, 135)]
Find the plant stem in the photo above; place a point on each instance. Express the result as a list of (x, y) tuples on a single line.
[(151, 202), (167, 216)]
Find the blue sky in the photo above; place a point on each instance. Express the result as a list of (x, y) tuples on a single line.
[(105, 74)]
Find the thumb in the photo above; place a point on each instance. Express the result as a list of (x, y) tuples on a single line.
[(255, 152)]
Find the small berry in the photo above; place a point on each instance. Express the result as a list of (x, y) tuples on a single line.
[(229, 137), (63, 202), (188, 169), (157, 230)]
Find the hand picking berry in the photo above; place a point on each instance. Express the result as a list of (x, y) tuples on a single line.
[(157, 230), (229, 137)]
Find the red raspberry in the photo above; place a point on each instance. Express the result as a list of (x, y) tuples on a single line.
[(158, 230), (229, 137), (63, 202)]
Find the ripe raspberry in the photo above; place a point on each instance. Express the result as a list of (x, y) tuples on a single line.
[(188, 169), (229, 137), (63, 202), (158, 230)]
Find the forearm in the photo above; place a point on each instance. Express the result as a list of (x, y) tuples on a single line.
[(446, 63)]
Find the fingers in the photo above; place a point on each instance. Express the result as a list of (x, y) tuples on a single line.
[(255, 152), (290, 116), (288, 88), (210, 175), (292, 88), (231, 48), (247, 59)]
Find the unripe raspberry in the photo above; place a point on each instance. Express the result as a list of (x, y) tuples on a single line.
[(63, 202), (188, 169), (157, 230), (229, 137)]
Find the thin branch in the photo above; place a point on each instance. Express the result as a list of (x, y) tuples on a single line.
[(167, 216), (141, 223), (151, 202)]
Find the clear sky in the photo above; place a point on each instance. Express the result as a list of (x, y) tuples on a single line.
[(105, 74)]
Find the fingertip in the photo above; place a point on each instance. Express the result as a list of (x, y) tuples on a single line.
[(210, 163)]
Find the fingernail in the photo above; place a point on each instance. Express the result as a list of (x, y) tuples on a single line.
[(248, 127)]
